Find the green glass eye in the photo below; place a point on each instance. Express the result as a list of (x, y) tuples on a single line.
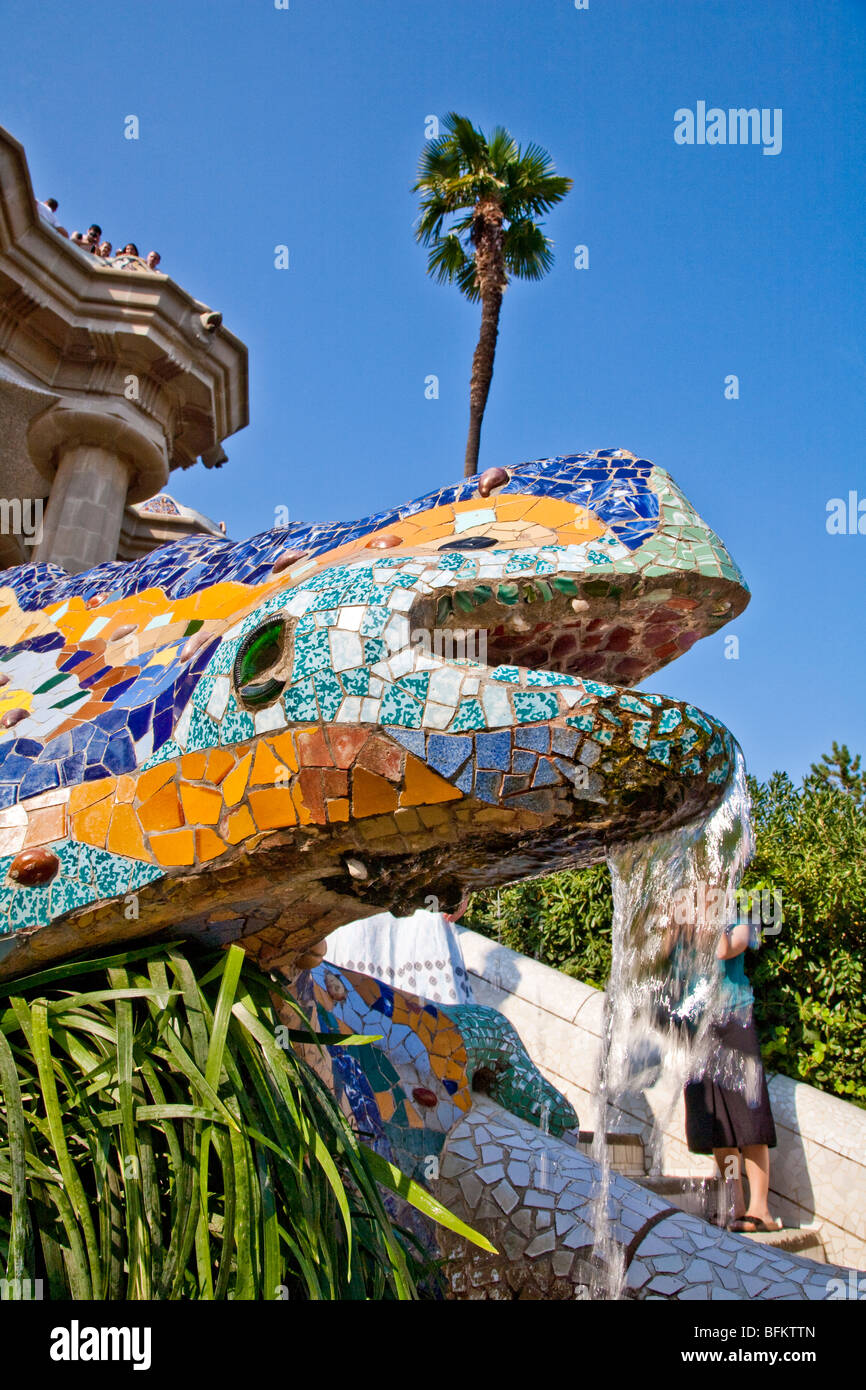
[(258, 655)]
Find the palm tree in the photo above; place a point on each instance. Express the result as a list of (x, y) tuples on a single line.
[(499, 188)]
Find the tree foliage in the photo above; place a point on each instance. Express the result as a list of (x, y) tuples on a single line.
[(481, 198), (808, 979)]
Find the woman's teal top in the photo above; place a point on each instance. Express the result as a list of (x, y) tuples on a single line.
[(735, 994), (691, 989)]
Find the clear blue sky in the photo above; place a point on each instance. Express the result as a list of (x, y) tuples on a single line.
[(303, 127)]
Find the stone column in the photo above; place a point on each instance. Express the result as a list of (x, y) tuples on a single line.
[(85, 510), (99, 456)]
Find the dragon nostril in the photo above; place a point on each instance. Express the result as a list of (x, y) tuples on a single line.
[(424, 1097), (484, 1080), (469, 543)]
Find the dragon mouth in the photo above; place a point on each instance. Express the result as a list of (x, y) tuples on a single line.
[(618, 763), (620, 629)]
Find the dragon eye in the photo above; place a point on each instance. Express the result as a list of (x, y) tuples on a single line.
[(255, 675)]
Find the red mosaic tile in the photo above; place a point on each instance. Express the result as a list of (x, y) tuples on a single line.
[(345, 744), (311, 786), (313, 750), (620, 639), (335, 782), (382, 756)]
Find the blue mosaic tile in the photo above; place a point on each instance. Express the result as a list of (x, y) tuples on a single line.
[(446, 752)]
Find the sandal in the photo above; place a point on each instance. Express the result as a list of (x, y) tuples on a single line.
[(751, 1225)]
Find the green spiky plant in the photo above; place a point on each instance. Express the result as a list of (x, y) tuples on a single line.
[(156, 1142), (493, 190)]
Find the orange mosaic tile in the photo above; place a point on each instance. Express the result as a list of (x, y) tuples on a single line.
[(162, 811), (422, 786), (371, 794), (201, 805), (304, 816), (267, 769), (218, 764), (154, 778), (126, 788), (192, 766), (207, 845), (86, 793), (91, 824), (174, 849), (239, 825), (235, 782), (273, 808), (284, 747), (124, 835)]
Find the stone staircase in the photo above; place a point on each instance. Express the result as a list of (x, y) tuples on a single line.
[(700, 1196)]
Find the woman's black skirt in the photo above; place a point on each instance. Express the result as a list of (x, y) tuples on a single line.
[(722, 1116)]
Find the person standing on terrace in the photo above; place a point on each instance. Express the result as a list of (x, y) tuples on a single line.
[(48, 210), (728, 1109)]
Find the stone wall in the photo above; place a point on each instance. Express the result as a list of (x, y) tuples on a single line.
[(819, 1166)]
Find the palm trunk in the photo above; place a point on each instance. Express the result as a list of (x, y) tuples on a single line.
[(482, 375), (491, 277)]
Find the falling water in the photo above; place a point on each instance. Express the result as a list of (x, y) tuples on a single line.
[(672, 896)]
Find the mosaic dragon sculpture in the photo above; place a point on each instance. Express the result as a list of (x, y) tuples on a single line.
[(265, 740), (262, 741)]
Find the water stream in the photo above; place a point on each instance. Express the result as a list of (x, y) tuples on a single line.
[(673, 894)]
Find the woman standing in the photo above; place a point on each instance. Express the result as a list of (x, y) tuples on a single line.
[(728, 1107)]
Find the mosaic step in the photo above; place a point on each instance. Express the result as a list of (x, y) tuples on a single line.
[(626, 1153), (704, 1197)]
